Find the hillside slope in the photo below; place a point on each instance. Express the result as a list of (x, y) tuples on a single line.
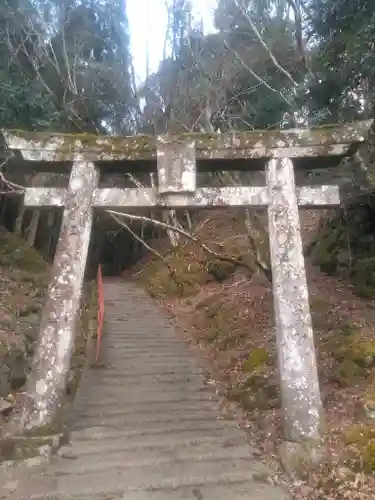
[(23, 279), (224, 310), (23, 282)]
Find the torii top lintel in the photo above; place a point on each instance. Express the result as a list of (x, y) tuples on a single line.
[(334, 140)]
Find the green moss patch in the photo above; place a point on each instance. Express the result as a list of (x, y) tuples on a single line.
[(220, 270), (183, 272), (257, 359), (182, 277), (258, 392), (363, 277), (18, 255), (360, 440), (354, 355)]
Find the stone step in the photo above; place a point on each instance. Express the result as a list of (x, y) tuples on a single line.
[(151, 385), (151, 398), (149, 418), (150, 338), (182, 439), (117, 424), (152, 391), (128, 363), (126, 459), (241, 490), (150, 347), (134, 362), (146, 407), (116, 371), (157, 477), (161, 378)]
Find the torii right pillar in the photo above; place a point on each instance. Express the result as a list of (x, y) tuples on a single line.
[(300, 392)]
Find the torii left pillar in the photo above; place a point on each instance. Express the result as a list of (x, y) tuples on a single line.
[(46, 383)]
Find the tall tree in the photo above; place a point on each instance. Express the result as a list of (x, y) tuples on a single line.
[(76, 54), (244, 76), (343, 32)]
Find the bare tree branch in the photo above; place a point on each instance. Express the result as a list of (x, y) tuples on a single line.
[(11, 187), (255, 75), (264, 45), (183, 233)]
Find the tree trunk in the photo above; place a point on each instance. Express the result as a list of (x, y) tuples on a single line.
[(19, 220), (33, 227), (169, 217)]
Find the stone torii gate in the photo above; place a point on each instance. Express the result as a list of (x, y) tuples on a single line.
[(176, 158)]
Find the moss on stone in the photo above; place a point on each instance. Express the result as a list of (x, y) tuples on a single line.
[(213, 309), (258, 392), (230, 145), (221, 270), (257, 359)]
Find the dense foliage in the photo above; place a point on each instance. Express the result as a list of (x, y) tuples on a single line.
[(67, 64)]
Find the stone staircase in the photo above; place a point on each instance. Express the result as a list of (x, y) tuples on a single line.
[(145, 426)]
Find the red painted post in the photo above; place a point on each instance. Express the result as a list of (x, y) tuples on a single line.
[(100, 311)]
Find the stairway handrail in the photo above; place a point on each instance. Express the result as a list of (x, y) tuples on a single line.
[(100, 296)]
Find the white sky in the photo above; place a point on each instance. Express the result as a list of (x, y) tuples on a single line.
[(148, 22)]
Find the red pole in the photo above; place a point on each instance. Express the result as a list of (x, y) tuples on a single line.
[(100, 311)]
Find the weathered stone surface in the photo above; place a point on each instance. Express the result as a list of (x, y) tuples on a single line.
[(176, 166), (302, 405), (333, 140), (46, 383), (45, 197), (298, 459), (255, 196)]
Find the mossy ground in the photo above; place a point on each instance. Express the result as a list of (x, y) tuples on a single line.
[(23, 280)]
